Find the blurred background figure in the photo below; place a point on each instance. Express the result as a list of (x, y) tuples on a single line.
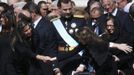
[(95, 12), (54, 12), (43, 8), (3, 8), (18, 8), (124, 5)]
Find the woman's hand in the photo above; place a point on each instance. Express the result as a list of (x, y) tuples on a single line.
[(45, 58), (116, 58), (79, 69), (57, 71)]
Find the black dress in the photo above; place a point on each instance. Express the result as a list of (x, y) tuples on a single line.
[(126, 60), (6, 63), (98, 55)]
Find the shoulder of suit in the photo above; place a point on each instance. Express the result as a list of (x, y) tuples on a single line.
[(54, 19), (79, 16)]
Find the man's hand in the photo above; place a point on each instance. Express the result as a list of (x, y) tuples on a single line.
[(57, 71), (116, 58), (123, 47), (79, 69)]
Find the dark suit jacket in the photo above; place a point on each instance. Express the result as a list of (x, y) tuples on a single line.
[(99, 23), (45, 46)]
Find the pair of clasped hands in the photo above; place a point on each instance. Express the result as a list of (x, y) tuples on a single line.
[(46, 58)]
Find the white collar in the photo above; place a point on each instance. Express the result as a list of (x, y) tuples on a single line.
[(0, 28), (37, 21), (113, 13)]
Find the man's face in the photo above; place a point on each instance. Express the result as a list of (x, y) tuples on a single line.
[(108, 5), (121, 3), (95, 11), (43, 9), (66, 10)]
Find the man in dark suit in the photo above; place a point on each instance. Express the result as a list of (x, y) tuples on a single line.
[(95, 22), (110, 8), (46, 43)]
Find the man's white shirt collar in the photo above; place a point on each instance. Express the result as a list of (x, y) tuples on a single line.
[(113, 13), (37, 21), (127, 7), (0, 28)]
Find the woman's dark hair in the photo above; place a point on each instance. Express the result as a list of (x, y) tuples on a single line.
[(5, 6), (21, 25), (11, 20), (85, 36), (18, 35), (115, 22), (31, 7), (24, 17)]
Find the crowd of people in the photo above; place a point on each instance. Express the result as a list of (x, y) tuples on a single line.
[(58, 38)]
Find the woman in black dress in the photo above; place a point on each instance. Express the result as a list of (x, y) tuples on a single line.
[(15, 52), (96, 53), (6, 67), (113, 33)]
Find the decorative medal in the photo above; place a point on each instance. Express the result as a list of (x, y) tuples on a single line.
[(71, 31), (73, 25), (76, 29)]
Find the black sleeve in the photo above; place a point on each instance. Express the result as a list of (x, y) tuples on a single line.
[(22, 49), (99, 51)]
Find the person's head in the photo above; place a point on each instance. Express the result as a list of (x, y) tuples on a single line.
[(95, 9), (131, 11), (3, 7), (32, 8), (121, 4), (65, 7), (18, 8), (25, 15), (86, 36), (43, 8), (8, 19), (108, 5), (24, 29), (112, 25)]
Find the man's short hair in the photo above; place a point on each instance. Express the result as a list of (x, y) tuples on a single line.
[(63, 1), (131, 10)]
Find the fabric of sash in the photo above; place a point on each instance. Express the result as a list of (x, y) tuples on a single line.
[(64, 34)]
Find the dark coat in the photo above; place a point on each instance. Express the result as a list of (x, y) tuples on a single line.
[(121, 37), (45, 46), (6, 63)]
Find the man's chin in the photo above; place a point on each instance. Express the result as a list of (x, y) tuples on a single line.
[(67, 16)]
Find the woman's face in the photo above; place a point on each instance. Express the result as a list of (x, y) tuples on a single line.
[(110, 26), (3, 20), (27, 31)]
